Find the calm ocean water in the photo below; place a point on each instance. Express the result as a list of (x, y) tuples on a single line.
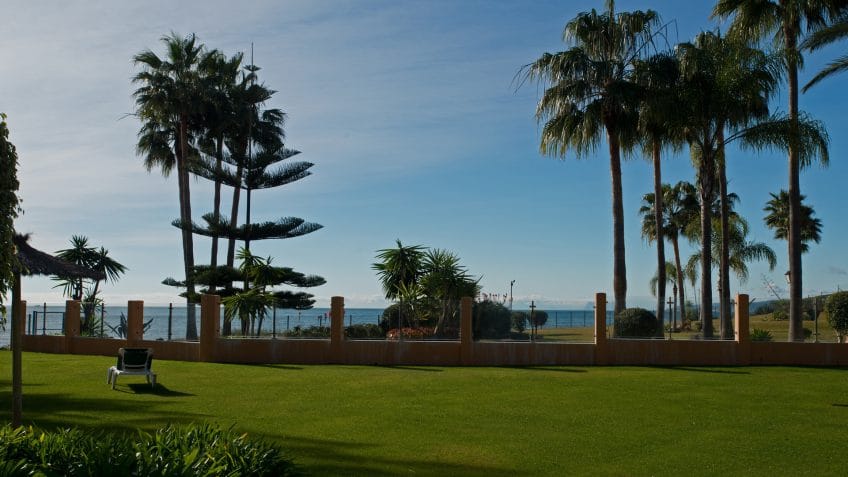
[(168, 323)]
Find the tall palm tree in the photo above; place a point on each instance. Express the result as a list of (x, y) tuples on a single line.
[(777, 219), (220, 75), (680, 210), (786, 21), (168, 99), (657, 77), (589, 93), (725, 86), (832, 33)]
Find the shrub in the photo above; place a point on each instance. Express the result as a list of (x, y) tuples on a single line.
[(192, 450), (491, 320), (364, 331), (635, 322), (391, 316), (308, 332), (410, 333), (761, 335), (836, 307), (519, 320), (540, 318)]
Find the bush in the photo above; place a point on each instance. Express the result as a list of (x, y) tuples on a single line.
[(364, 331), (540, 318), (836, 307), (391, 316), (635, 322), (308, 332), (491, 320), (519, 320), (192, 450), (761, 335)]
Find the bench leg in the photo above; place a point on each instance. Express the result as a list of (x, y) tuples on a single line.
[(114, 380)]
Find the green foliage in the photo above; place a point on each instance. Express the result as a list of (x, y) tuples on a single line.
[(519, 320), (9, 209), (170, 451), (308, 332), (836, 307), (761, 335), (364, 331), (635, 322), (120, 329), (539, 318), (491, 320)]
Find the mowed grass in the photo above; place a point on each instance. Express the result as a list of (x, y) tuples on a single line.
[(779, 331), (358, 420)]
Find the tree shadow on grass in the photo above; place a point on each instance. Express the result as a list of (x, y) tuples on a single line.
[(556, 369), (429, 369), (705, 370), (334, 457), (839, 405), (53, 411), (287, 367)]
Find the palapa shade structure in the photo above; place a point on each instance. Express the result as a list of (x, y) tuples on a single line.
[(33, 262)]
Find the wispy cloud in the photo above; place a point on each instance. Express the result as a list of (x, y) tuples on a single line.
[(836, 270)]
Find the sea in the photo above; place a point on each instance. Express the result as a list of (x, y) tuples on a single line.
[(169, 323)]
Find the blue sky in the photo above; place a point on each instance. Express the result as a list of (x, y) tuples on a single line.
[(410, 113)]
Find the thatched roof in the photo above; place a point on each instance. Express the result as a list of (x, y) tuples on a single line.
[(36, 262)]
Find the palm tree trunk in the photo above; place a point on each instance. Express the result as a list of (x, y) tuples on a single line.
[(706, 175), (682, 304), (216, 208), (17, 355), (658, 214), (185, 217), (726, 324), (619, 268), (231, 246), (796, 325)]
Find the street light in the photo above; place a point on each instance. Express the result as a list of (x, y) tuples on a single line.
[(788, 277), (510, 294)]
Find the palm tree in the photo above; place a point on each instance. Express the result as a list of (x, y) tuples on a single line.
[(680, 210), (91, 258), (445, 280), (167, 100), (399, 267), (785, 21), (589, 93), (220, 75), (674, 276), (777, 219), (657, 76), (725, 85), (832, 33)]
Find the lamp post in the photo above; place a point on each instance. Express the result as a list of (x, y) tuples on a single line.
[(788, 277), (510, 294)]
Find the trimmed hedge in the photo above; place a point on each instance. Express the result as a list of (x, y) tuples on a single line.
[(635, 323), (836, 307), (170, 451)]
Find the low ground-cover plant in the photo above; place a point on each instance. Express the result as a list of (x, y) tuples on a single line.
[(170, 451)]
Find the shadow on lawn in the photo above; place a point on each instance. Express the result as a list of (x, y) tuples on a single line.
[(332, 457), (401, 367), (55, 411), (705, 370), (144, 388), (556, 369)]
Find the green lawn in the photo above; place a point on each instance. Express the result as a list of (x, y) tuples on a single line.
[(355, 420)]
